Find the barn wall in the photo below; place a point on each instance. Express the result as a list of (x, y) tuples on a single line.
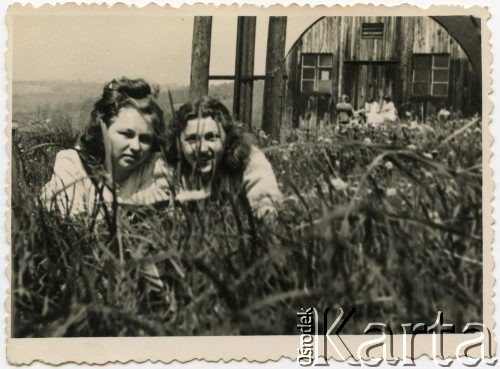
[(357, 48), (403, 36)]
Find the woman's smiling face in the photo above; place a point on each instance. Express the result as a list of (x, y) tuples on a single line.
[(131, 139), (202, 144)]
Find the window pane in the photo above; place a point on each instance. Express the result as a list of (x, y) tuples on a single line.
[(308, 73), (441, 60), (326, 60), (420, 89), (307, 86), (440, 75), (309, 60), (325, 86), (439, 89), (422, 75), (325, 75), (422, 61)]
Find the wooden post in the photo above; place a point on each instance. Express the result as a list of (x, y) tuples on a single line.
[(341, 87), (200, 57), (243, 81), (273, 87)]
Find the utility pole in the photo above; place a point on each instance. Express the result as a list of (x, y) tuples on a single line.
[(200, 57), (273, 87), (243, 75)]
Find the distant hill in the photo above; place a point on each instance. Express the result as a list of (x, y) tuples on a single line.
[(36, 100)]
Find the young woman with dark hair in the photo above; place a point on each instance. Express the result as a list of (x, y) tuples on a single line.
[(211, 154), (118, 151)]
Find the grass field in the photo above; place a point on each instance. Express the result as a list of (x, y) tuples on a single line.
[(386, 220)]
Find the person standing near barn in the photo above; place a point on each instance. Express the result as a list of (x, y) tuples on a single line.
[(388, 110), (443, 114), (344, 110), (371, 111)]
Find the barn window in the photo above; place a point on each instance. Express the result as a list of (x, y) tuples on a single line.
[(431, 74), (316, 73), (372, 30)]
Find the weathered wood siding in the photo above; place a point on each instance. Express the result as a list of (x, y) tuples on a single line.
[(403, 37), (357, 48), (406, 56)]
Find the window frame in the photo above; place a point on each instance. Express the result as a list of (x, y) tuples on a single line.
[(317, 68), (372, 37), (431, 82)]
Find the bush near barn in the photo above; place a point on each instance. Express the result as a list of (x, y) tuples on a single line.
[(387, 220)]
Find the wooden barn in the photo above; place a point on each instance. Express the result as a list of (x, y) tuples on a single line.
[(412, 59)]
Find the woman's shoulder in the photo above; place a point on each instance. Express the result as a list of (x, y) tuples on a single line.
[(69, 161), (257, 163), (68, 154), (260, 183), (256, 154), (69, 186)]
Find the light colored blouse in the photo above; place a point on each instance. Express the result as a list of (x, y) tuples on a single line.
[(260, 184), (372, 108), (72, 191), (388, 111)]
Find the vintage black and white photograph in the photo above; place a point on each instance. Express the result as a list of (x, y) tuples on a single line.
[(215, 175)]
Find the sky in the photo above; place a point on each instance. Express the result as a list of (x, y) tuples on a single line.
[(100, 48)]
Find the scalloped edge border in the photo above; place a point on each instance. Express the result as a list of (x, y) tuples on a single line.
[(229, 348)]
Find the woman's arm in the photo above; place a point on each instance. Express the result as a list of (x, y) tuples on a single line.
[(154, 184), (157, 187), (260, 184)]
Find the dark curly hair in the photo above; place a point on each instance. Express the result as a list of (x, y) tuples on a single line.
[(237, 145), (117, 94)]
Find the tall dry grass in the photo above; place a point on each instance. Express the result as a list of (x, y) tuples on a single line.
[(385, 220)]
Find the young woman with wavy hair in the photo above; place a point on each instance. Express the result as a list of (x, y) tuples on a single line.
[(117, 154), (210, 154)]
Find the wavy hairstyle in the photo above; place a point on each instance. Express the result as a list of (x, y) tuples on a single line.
[(117, 94), (237, 145)]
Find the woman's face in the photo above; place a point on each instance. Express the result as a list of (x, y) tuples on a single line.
[(131, 139), (202, 144)]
